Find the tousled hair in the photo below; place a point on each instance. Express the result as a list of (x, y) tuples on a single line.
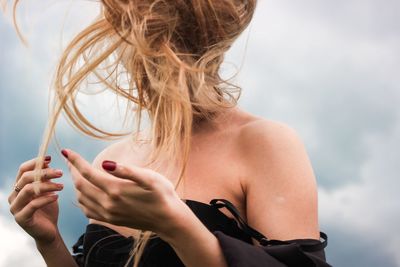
[(171, 53)]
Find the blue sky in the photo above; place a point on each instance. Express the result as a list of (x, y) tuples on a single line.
[(328, 69)]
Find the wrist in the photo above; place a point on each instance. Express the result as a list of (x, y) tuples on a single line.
[(182, 226), (54, 244)]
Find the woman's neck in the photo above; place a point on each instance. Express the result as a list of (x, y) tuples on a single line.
[(219, 122)]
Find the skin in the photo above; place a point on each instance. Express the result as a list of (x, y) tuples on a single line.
[(260, 165)]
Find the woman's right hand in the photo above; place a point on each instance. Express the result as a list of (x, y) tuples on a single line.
[(37, 214)]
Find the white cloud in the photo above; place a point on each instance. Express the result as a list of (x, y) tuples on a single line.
[(370, 207)]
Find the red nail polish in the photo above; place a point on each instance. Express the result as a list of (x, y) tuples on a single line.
[(109, 165), (47, 158), (65, 153)]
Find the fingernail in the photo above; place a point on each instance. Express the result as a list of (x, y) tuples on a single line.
[(65, 153), (58, 172), (47, 158), (109, 165)]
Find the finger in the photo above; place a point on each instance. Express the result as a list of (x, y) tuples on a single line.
[(27, 193), (90, 173), (142, 176), (45, 174), (24, 167), (29, 177), (91, 209), (27, 212), (91, 214), (30, 165), (84, 187)]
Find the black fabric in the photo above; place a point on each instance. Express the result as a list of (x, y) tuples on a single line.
[(241, 254), (271, 253), (101, 246)]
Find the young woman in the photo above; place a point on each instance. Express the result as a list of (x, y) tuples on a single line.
[(208, 184)]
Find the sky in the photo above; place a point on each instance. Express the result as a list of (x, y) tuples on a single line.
[(328, 69)]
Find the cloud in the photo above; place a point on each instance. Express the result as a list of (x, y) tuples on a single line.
[(370, 208), (347, 247)]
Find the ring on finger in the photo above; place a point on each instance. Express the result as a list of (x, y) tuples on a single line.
[(17, 188)]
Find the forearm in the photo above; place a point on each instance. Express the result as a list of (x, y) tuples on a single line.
[(56, 254), (194, 244)]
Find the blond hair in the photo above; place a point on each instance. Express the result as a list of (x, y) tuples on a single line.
[(171, 52)]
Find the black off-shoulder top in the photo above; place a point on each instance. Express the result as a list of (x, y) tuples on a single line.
[(101, 246)]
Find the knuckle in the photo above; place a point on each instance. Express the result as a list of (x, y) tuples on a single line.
[(34, 204), (78, 184), (109, 217), (72, 158), (109, 206), (43, 173), (24, 177), (33, 175), (89, 214), (23, 167), (124, 169), (85, 171), (28, 189), (115, 193), (18, 218), (80, 198), (151, 182), (27, 177)]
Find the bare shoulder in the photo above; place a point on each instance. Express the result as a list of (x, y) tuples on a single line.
[(124, 150), (264, 132), (280, 186), (268, 142)]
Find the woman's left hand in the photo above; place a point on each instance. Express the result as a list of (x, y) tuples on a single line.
[(131, 196)]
